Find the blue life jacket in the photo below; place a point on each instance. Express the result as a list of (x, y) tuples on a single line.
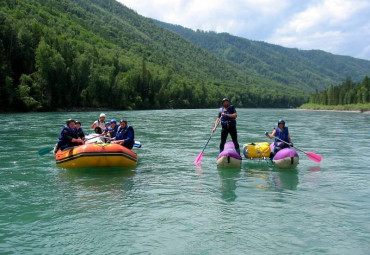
[(65, 137), (78, 133), (114, 131), (283, 135), (127, 134), (227, 120)]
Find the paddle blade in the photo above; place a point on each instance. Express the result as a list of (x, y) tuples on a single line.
[(314, 157), (198, 159), (45, 150)]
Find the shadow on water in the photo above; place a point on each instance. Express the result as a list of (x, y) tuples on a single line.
[(228, 177), (99, 179)]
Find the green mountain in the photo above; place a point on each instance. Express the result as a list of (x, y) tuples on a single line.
[(306, 70), (61, 54)]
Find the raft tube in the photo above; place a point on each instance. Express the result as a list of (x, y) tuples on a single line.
[(285, 158), (229, 157), (96, 155)]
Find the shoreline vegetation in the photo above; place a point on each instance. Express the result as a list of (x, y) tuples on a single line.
[(362, 108)]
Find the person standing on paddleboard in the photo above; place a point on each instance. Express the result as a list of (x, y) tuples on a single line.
[(227, 115)]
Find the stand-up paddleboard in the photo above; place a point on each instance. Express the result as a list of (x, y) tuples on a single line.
[(229, 157)]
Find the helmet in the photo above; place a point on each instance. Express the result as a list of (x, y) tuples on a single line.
[(107, 123), (124, 121), (70, 120), (225, 99), (113, 121), (78, 122), (281, 122), (102, 115)]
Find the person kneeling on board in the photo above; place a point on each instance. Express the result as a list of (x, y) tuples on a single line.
[(281, 132), (125, 135), (67, 137)]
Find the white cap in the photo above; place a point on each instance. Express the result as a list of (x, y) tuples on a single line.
[(102, 115)]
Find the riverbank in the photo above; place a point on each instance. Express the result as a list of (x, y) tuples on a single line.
[(359, 108)]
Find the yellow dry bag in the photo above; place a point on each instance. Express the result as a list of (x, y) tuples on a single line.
[(256, 150)]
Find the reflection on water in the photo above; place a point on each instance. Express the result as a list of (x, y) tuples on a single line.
[(98, 179), (314, 169), (285, 179), (228, 183)]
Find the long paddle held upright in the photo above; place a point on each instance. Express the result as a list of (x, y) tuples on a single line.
[(199, 158), (315, 157)]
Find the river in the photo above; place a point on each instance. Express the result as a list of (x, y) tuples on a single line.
[(167, 205)]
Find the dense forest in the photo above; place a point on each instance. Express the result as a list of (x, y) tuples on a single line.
[(348, 92), (63, 54), (306, 70)]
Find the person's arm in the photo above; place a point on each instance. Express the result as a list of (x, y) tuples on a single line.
[(93, 125), (216, 123), (272, 134), (232, 115), (290, 139)]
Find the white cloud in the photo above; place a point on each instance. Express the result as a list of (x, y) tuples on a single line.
[(329, 25), (337, 26)]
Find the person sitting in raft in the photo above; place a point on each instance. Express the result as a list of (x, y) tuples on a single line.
[(107, 128), (67, 137), (227, 114), (99, 123), (125, 135), (114, 126), (78, 131), (281, 132)]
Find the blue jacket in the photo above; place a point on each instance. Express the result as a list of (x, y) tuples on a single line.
[(114, 131), (227, 120), (65, 137), (127, 134), (79, 133), (283, 135)]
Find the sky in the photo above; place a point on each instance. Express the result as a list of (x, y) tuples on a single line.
[(337, 26)]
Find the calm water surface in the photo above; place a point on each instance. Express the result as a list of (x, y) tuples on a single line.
[(166, 205)]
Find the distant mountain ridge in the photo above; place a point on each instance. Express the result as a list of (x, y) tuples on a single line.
[(58, 54), (303, 69)]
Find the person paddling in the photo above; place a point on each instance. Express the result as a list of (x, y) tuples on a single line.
[(67, 137), (99, 123), (227, 114), (125, 135), (281, 132)]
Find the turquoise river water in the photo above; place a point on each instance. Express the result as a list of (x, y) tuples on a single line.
[(167, 205)]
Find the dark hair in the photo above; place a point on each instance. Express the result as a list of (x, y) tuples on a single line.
[(70, 120), (98, 130), (124, 121), (78, 122)]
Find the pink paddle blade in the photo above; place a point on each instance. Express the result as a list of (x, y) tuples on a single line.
[(198, 159), (314, 157)]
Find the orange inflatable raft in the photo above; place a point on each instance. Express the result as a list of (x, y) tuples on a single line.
[(96, 155)]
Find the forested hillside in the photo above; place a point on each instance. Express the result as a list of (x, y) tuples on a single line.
[(348, 92), (302, 69), (62, 54)]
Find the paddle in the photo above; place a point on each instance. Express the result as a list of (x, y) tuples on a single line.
[(199, 158), (45, 150), (315, 157)]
